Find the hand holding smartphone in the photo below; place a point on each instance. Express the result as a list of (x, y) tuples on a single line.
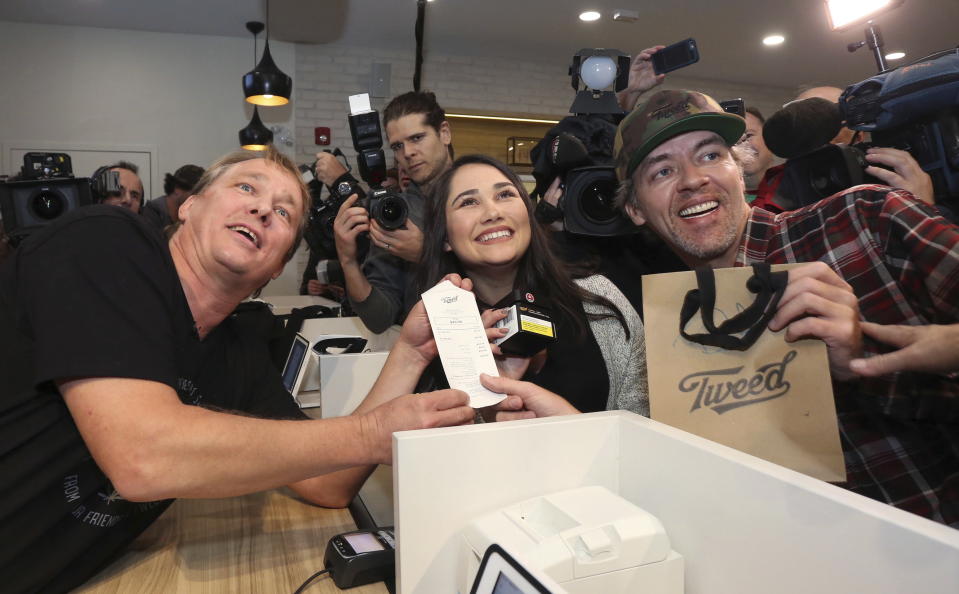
[(736, 106), (676, 56)]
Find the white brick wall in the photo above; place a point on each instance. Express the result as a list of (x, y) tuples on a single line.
[(327, 74)]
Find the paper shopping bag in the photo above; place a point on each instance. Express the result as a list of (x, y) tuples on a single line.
[(716, 370)]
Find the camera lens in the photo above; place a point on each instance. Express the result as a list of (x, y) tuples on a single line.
[(48, 204), (598, 200), (391, 212), (589, 203)]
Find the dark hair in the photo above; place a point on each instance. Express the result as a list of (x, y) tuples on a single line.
[(423, 102), (122, 165), (757, 113), (184, 179), (539, 268)]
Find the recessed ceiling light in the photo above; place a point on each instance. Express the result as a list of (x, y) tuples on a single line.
[(773, 39), (589, 15), (896, 56)]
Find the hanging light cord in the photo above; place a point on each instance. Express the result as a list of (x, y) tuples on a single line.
[(420, 18)]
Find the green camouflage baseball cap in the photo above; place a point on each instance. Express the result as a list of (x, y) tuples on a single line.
[(667, 114)]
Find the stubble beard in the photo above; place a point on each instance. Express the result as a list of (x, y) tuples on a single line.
[(714, 244)]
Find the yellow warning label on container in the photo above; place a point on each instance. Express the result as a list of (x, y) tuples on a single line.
[(536, 326)]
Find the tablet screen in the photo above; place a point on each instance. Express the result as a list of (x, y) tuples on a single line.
[(500, 573), (293, 362), (504, 585)]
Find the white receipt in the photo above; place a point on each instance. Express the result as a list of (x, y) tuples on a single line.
[(462, 342)]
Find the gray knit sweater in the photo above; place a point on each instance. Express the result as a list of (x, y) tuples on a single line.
[(625, 358)]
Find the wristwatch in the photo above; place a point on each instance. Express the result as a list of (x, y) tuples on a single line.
[(344, 186)]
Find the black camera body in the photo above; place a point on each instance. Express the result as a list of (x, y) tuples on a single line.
[(588, 203), (823, 172), (933, 141), (388, 208), (46, 166), (45, 192)]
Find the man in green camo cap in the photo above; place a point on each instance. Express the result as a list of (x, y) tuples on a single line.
[(680, 177)]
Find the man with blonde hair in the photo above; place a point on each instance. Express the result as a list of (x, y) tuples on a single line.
[(127, 382)]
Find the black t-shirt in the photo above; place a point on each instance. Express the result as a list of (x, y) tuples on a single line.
[(96, 294), (156, 212)]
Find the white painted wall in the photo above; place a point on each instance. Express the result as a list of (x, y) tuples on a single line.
[(180, 93), (178, 96), (327, 74)]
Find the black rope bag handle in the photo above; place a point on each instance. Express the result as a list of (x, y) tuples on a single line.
[(768, 287)]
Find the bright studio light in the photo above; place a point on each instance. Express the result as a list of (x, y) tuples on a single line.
[(598, 72), (895, 55), (843, 13), (773, 40), (589, 15)]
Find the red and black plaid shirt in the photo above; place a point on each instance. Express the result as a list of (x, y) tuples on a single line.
[(900, 433)]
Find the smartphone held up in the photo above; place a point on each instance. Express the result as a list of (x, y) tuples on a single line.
[(676, 56)]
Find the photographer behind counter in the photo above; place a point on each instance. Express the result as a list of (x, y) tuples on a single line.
[(46, 190), (576, 182), (128, 195), (379, 286)]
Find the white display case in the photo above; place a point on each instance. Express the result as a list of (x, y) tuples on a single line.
[(743, 525), (339, 382)]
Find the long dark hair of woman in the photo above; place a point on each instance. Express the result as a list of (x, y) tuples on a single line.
[(539, 269)]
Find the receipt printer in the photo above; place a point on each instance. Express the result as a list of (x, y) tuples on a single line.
[(587, 539)]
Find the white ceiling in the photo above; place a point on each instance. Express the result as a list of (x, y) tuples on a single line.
[(728, 31)]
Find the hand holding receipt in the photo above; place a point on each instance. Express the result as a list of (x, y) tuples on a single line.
[(462, 341)]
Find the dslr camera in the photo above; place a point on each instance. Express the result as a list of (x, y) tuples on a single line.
[(45, 190), (388, 208)]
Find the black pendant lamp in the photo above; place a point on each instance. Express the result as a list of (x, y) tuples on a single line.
[(255, 136), (266, 84)]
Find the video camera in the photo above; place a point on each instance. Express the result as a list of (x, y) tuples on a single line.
[(45, 190), (579, 150), (912, 108), (588, 203)]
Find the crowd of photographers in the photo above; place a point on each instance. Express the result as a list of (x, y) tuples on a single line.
[(879, 288), (886, 313)]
